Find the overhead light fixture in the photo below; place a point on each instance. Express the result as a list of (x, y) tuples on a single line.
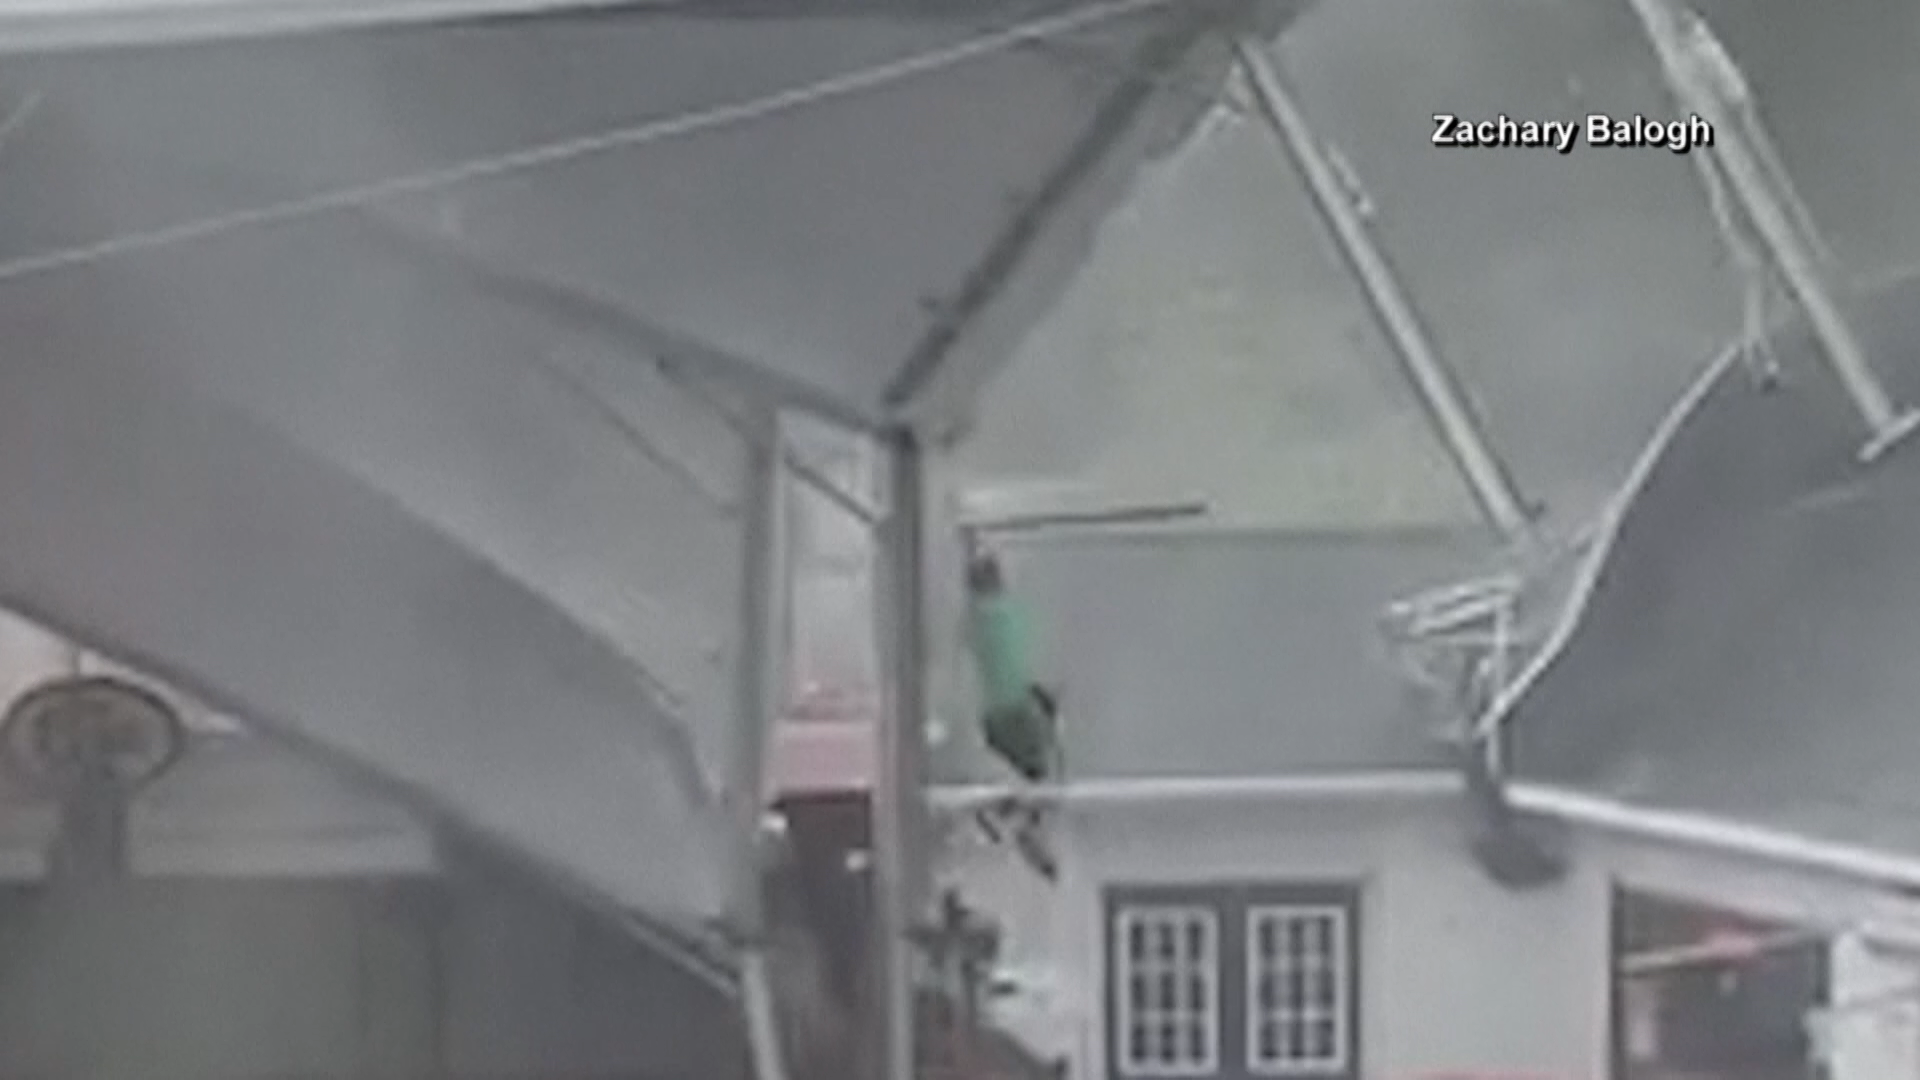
[(90, 742)]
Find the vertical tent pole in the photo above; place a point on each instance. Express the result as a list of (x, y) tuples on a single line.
[(765, 593), (898, 812), (1437, 387), (1688, 65)]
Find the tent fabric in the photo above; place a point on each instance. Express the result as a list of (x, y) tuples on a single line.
[(887, 243), (1746, 650), (213, 552), (401, 481)]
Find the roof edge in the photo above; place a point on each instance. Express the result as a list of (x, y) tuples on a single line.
[(1467, 537), (1695, 829), (1569, 805), (1137, 791)]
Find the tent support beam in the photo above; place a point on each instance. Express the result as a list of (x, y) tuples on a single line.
[(1434, 382), (761, 679), (1705, 82), (898, 802)]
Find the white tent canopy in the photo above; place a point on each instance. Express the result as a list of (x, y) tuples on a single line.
[(362, 382)]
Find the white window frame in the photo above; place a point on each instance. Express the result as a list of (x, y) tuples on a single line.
[(1340, 921), (1151, 914)]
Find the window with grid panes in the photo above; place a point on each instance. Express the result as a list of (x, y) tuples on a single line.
[(1168, 974), (1298, 972)]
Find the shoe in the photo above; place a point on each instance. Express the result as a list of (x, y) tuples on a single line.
[(1033, 846)]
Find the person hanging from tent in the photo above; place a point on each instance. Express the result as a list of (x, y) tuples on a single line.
[(1019, 716)]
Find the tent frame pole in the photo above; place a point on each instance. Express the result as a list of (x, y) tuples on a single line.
[(898, 805), (1438, 388), (1705, 82), (765, 593)]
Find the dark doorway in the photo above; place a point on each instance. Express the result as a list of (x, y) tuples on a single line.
[(1701, 993)]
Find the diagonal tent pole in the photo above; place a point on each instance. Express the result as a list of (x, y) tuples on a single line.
[(1706, 83), (1442, 395), (1439, 389)]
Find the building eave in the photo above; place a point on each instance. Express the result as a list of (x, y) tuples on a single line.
[(1136, 791), (1867, 865)]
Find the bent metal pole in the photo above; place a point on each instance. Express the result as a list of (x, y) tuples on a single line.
[(1705, 82), (1438, 389)]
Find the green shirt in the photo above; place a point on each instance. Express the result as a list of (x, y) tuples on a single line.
[(1001, 651)]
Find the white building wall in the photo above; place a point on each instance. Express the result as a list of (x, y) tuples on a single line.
[(1458, 976), (1050, 1000), (1873, 1030)]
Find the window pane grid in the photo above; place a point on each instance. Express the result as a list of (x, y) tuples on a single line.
[(1297, 999), (1168, 959)]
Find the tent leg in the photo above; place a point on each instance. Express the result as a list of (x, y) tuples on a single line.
[(765, 593), (898, 810), (758, 1002), (1706, 83), (1437, 387)]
